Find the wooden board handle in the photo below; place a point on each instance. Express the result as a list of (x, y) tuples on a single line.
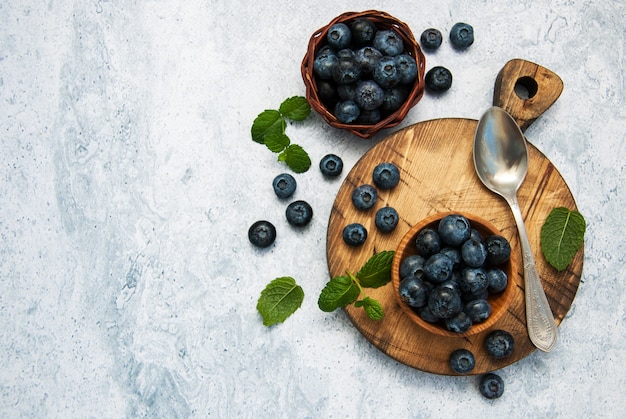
[(526, 90)]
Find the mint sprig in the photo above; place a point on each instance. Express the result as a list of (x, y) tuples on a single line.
[(269, 128), (562, 235), (279, 300), (344, 290)]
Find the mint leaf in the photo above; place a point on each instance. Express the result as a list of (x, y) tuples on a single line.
[(276, 142), (338, 292), (373, 308), (267, 122), (295, 108), (562, 235), (377, 270), (279, 300), (296, 158)]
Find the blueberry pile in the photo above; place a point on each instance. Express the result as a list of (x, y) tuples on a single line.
[(385, 176), (363, 73), (455, 270)]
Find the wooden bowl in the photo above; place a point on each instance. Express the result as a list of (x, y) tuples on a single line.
[(499, 302), (383, 21)]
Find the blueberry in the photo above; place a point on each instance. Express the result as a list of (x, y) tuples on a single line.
[(428, 242), (363, 31), (460, 323), (369, 117), (454, 229), (454, 255), (473, 253), (331, 165), (462, 361), (327, 93), (407, 67), (473, 280), (347, 70), (346, 53), (431, 39), (386, 219), (339, 36), (452, 284), (499, 344), (498, 280), (444, 302), (388, 42), (412, 266), (346, 91), (284, 185), (498, 249), (461, 35), (413, 291), (438, 268), (354, 234), (299, 213), (427, 315), (478, 310), (262, 233), (438, 79), (386, 175), (491, 386), (324, 63), (368, 95), (364, 197), (475, 235), (393, 99), (347, 111), (386, 72), (367, 57)]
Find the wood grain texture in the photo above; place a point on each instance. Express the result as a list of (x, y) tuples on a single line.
[(437, 175)]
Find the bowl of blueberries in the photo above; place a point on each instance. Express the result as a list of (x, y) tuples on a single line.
[(451, 274), (363, 72)]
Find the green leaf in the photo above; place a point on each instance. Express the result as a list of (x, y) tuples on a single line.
[(338, 292), (267, 122), (296, 158), (373, 308), (562, 235), (295, 108), (279, 300), (377, 270), (276, 142)]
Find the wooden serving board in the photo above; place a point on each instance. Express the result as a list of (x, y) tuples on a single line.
[(437, 175)]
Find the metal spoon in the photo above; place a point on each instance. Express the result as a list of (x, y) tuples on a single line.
[(501, 161)]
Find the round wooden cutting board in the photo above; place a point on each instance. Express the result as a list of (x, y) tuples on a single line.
[(437, 175)]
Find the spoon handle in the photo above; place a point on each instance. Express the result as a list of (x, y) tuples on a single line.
[(539, 318)]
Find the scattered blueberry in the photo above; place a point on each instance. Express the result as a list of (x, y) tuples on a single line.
[(354, 234), (262, 233), (478, 310), (438, 268), (491, 386), (331, 165), (460, 323), (498, 249), (407, 68), (431, 39), (347, 111), (324, 63), (462, 35), (368, 95), (346, 70), (444, 302), (284, 185), (462, 361), (454, 229), (438, 79), (428, 242), (386, 219), (299, 213), (364, 197), (411, 265), (413, 291), (386, 175), (339, 36), (473, 253), (386, 72), (363, 31), (388, 42), (498, 280), (499, 344)]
